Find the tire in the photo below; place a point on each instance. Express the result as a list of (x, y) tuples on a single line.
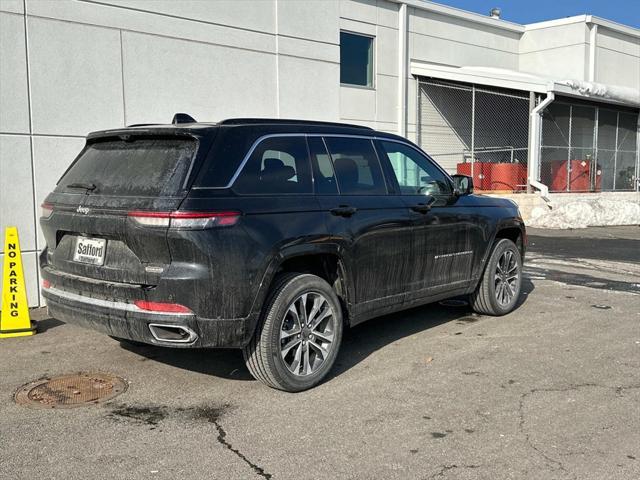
[(271, 358), (489, 297)]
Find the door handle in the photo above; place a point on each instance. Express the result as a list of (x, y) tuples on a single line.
[(343, 211), (421, 208)]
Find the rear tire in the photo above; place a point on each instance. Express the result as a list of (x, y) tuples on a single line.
[(298, 335), (499, 288)]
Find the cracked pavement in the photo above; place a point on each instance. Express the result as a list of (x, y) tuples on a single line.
[(551, 391)]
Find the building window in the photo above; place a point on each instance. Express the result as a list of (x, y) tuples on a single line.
[(356, 60)]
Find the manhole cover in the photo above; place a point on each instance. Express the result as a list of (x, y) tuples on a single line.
[(66, 391), (452, 302)]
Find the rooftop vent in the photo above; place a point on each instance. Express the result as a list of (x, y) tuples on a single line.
[(495, 13)]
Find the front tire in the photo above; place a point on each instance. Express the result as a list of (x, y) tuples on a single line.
[(499, 288), (299, 334)]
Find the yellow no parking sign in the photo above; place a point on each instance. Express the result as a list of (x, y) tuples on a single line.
[(14, 320)]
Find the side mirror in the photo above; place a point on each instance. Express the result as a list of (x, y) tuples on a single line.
[(462, 184)]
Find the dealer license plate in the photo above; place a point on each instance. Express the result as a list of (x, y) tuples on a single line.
[(90, 250)]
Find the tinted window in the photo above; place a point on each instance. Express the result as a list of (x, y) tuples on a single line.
[(356, 166), (324, 179), (141, 167), (277, 165), (356, 59), (415, 173)]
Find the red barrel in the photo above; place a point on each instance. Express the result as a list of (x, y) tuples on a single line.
[(481, 174), (579, 176), (508, 176)]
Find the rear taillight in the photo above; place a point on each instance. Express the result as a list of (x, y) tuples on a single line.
[(46, 284), (46, 209), (161, 307), (185, 220)]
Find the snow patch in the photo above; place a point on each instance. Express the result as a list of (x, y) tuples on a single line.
[(587, 212)]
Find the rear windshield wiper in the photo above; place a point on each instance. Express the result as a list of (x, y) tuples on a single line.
[(90, 187)]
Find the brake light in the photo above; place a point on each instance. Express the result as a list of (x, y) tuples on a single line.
[(46, 284), (161, 307), (185, 220), (46, 209)]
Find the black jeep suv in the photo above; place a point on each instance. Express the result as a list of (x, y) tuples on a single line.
[(267, 235)]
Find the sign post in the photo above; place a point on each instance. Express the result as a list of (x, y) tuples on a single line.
[(14, 319)]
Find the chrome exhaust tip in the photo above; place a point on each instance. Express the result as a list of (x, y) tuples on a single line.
[(172, 333)]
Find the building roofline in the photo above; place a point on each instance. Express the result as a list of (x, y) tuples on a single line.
[(463, 14), (517, 27), (610, 24)]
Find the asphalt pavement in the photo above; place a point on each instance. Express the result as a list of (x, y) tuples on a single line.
[(550, 391)]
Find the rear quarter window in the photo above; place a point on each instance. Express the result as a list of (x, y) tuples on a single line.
[(142, 167), (277, 165)]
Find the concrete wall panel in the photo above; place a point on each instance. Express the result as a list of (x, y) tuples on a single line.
[(309, 49), (360, 10), (309, 89), (357, 104), (75, 77), (165, 24), (386, 46), (561, 63), (311, 19), (387, 99), (462, 31), (161, 78), (388, 13), (51, 157), (14, 103), (16, 189), (618, 42), (358, 27), (447, 52), (248, 14), (608, 69), (13, 6), (554, 37)]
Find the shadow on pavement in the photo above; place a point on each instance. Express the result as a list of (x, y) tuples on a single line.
[(357, 344), (48, 324), (581, 247)]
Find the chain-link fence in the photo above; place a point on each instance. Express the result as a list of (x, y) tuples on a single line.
[(588, 148), (478, 131)]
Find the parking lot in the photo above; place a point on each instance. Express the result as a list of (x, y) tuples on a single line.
[(550, 391)]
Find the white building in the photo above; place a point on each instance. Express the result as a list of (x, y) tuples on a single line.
[(461, 84)]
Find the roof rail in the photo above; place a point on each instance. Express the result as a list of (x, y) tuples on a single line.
[(285, 121)]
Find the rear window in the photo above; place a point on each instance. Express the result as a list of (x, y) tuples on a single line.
[(356, 165), (143, 167)]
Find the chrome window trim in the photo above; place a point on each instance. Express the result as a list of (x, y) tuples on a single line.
[(372, 138)]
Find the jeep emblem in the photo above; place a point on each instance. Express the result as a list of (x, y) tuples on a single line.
[(83, 210)]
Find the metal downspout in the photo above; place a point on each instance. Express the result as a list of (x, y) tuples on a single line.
[(402, 69), (534, 154)]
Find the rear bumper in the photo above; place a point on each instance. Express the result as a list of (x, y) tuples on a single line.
[(127, 321)]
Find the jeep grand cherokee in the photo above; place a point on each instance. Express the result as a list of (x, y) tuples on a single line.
[(270, 236)]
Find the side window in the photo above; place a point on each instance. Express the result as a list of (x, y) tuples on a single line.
[(356, 165), (416, 174), (277, 165), (324, 179)]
